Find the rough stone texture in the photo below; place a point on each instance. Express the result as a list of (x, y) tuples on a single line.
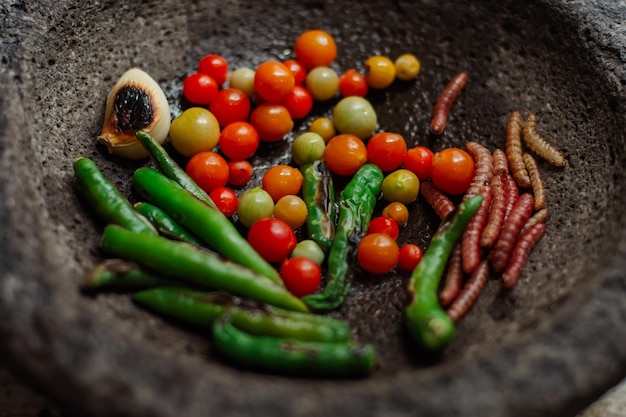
[(548, 348)]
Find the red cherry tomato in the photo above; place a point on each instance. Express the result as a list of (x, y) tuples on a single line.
[(352, 83), (225, 199), (199, 88), (299, 102), (302, 276), (239, 172), (387, 150), (272, 238), (216, 66), (273, 81), (239, 140), (208, 169), (230, 105), (419, 160), (377, 253), (409, 256), (298, 70), (271, 121), (386, 225), (452, 170)]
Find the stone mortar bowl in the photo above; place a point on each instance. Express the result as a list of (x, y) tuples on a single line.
[(548, 348)]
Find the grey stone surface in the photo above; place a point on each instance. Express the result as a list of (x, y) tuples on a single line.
[(548, 348)]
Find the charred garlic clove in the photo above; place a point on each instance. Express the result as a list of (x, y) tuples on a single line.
[(135, 103)]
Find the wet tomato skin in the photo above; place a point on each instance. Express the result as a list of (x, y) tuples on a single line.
[(272, 238), (452, 170)]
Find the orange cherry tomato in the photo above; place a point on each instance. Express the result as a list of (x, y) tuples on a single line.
[(380, 71), (282, 180), (345, 154), (352, 83), (239, 172), (273, 81), (377, 253), (239, 140), (397, 211), (208, 169), (452, 170), (324, 127), (292, 210), (387, 150), (315, 48), (271, 121)]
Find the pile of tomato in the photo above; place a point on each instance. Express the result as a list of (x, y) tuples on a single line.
[(233, 113)]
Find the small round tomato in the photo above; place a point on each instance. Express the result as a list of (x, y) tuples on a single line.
[(200, 88), (379, 71), (397, 211), (307, 147), (243, 79), (254, 204), (302, 276), (345, 154), (214, 65), (208, 169), (324, 127), (387, 150), (292, 210), (407, 67), (297, 69), (322, 82), (308, 248), (225, 199), (418, 160), (386, 225), (239, 140), (409, 256), (273, 81), (195, 130), (452, 170), (272, 121), (239, 172), (282, 180), (299, 102), (355, 115), (377, 253), (401, 185), (352, 83), (272, 238), (315, 48), (230, 105)]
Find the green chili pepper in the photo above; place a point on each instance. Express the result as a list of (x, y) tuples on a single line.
[(106, 200), (319, 196), (196, 266), (293, 357), (356, 205), (207, 223), (428, 323), (171, 169), (202, 309), (120, 273), (164, 224)]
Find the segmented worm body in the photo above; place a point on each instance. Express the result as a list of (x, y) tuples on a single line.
[(470, 240), (536, 182), (496, 212), (538, 144), (437, 199), (539, 217), (513, 148), (483, 172), (453, 280), (520, 254), (500, 163), (470, 292), (444, 103), (511, 194), (513, 224)]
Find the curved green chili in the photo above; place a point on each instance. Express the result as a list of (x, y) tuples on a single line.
[(123, 274), (106, 200), (292, 357), (207, 223), (356, 205), (428, 323), (171, 169), (202, 309), (319, 196), (196, 266), (164, 224)]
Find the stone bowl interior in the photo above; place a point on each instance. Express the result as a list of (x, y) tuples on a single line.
[(548, 347)]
